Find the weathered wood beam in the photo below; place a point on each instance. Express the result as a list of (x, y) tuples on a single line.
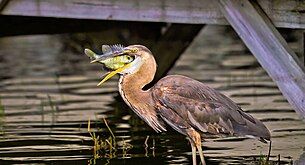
[(270, 49), (283, 13)]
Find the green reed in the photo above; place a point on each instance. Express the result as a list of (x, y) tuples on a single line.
[(48, 103), (2, 116), (41, 108), (106, 147), (58, 84), (54, 108), (264, 159)]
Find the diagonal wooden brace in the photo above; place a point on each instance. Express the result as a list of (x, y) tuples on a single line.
[(269, 48)]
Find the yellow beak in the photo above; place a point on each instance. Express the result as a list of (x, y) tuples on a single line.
[(111, 74)]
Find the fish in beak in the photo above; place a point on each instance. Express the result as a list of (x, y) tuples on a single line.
[(115, 58)]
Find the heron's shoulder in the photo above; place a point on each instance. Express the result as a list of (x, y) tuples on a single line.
[(185, 87), (177, 80), (168, 77)]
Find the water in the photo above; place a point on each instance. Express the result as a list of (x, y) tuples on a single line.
[(49, 93)]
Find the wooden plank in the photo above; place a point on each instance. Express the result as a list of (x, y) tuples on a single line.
[(283, 13), (270, 49), (175, 11)]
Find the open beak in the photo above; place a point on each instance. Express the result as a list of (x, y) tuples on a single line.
[(108, 54), (112, 73)]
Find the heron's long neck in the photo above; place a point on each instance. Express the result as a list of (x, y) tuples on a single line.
[(131, 85)]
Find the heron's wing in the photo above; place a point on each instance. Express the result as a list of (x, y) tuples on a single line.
[(149, 116), (204, 108)]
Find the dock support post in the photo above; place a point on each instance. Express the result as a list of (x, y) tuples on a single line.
[(172, 44), (269, 48), (3, 3), (300, 34)]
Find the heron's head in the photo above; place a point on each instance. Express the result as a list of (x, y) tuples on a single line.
[(119, 59)]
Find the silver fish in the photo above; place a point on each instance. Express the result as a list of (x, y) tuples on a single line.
[(108, 51)]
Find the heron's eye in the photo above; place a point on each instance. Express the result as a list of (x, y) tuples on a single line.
[(134, 50), (129, 58)]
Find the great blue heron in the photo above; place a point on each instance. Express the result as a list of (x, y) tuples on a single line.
[(187, 105)]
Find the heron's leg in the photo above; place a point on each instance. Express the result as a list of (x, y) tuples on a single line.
[(196, 140), (200, 153), (193, 152)]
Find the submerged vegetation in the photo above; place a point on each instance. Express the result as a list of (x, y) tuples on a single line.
[(48, 104), (54, 109), (107, 147), (2, 115), (264, 160)]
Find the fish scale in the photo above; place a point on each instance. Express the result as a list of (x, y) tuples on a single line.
[(112, 48), (114, 62)]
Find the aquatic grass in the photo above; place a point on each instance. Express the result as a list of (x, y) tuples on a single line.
[(112, 138), (2, 116), (54, 109), (152, 147), (106, 147), (264, 159), (41, 108), (146, 146), (98, 144), (125, 148), (58, 84)]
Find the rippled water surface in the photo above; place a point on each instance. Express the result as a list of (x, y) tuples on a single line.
[(49, 94)]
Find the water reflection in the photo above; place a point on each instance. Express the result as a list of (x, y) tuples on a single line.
[(49, 94)]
